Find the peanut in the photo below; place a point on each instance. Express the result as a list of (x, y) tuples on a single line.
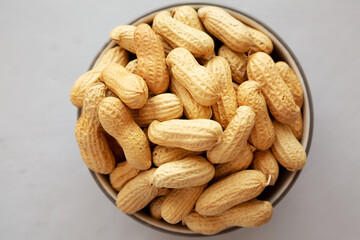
[(116, 120), (189, 172), (236, 86), (188, 16), (194, 77), (297, 127), (123, 173), (226, 28), (265, 162), (287, 149), (129, 87), (178, 34), (163, 191), (115, 148), (263, 135), (179, 203), (161, 107), (234, 138), (124, 36), (261, 68), (237, 62), (113, 55), (94, 148), (253, 213), (193, 135), (151, 144), (155, 207), (261, 42), (230, 191), (131, 66), (161, 154), (167, 47)]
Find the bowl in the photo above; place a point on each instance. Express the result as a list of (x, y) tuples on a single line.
[(285, 180)]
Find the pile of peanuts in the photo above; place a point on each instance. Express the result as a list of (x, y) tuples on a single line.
[(192, 135)]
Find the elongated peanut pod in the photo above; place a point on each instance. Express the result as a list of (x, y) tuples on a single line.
[(179, 203), (113, 55), (117, 121), (161, 107), (263, 135), (265, 162), (155, 207), (195, 78), (189, 172), (123, 173), (178, 34), (297, 127), (224, 109), (253, 213), (192, 109), (161, 154), (94, 148), (193, 135), (261, 68), (123, 35), (77, 92), (188, 16), (261, 42), (226, 28), (234, 139), (129, 87), (230, 191), (237, 62), (137, 193), (131, 66), (287, 149)]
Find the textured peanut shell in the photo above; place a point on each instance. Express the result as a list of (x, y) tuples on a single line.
[(193, 135), (129, 87), (265, 162), (123, 173), (234, 139), (297, 127), (137, 193), (263, 135), (93, 146), (230, 191), (224, 109), (155, 207), (237, 62), (188, 16), (113, 55), (189, 172), (198, 80), (253, 213), (287, 150), (161, 154), (151, 144), (261, 68), (192, 109), (178, 34), (115, 148), (166, 46), (151, 59), (292, 81), (163, 191), (226, 28), (131, 66), (261, 42), (179, 203), (117, 121), (236, 86), (161, 107), (124, 36)]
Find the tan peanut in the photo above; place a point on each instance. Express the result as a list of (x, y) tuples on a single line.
[(124, 36), (94, 148), (113, 55), (115, 148), (189, 172), (193, 135), (261, 68), (178, 34), (253, 213), (297, 127), (132, 65), (161, 107), (287, 150), (263, 135), (192, 109), (224, 109), (230, 191), (234, 138), (195, 78), (237, 62), (151, 59), (265, 162), (292, 81), (161, 154), (117, 121), (129, 87), (167, 47), (123, 173), (137, 193), (155, 207), (179, 203), (226, 28), (188, 16), (77, 92), (261, 42), (241, 162)]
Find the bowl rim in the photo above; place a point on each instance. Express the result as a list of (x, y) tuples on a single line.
[(301, 72)]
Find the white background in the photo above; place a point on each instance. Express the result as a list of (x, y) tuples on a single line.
[(46, 190)]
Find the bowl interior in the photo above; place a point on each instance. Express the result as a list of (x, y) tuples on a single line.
[(286, 179)]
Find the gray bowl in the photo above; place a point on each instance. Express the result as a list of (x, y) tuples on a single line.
[(286, 179)]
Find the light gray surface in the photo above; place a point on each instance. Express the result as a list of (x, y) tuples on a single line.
[(47, 192)]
